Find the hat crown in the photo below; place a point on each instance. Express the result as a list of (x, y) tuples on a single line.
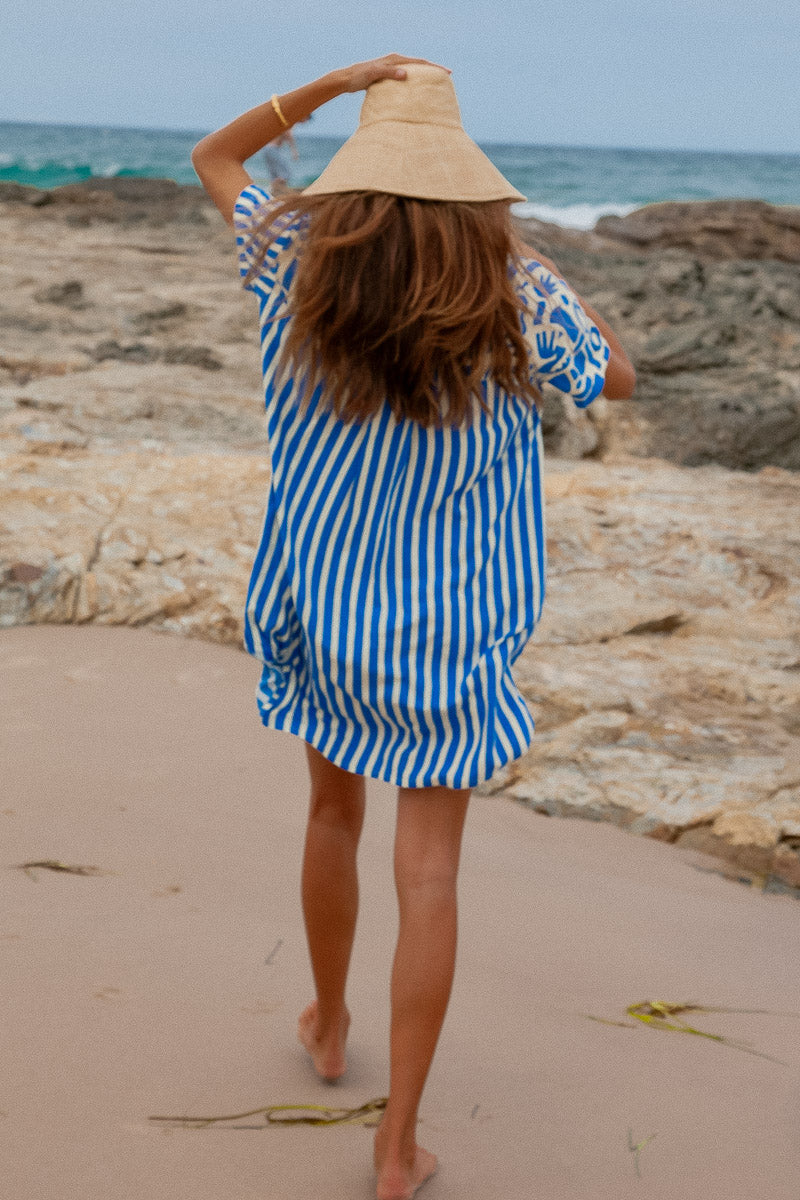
[(425, 97), (410, 142)]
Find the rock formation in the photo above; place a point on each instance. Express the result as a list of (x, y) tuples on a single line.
[(665, 677), (729, 229), (712, 326)]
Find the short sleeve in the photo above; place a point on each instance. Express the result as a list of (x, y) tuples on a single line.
[(568, 351), (250, 208), (250, 219)]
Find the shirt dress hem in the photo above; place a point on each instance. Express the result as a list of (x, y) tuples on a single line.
[(300, 724)]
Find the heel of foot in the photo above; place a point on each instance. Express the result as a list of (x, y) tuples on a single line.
[(327, 1054), (398, 1183)]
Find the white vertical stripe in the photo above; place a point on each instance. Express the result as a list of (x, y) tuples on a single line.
[(419, 695), (400, 669), (435, 583), (381, 568)]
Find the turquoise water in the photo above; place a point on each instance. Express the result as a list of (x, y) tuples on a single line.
[(569, 184)]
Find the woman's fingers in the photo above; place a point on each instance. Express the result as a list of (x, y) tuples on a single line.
[(390, 66), (401, 58)]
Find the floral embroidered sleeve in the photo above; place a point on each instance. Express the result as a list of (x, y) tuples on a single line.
[(567, 349)]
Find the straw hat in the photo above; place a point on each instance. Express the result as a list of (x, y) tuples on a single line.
[(410, 142)]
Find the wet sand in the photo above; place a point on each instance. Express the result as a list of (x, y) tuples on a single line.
[(171, 983)]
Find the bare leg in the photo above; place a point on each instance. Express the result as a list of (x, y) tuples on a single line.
[(430, 822), (330, 906)]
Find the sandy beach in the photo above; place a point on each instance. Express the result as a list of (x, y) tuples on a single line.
[(169, 983)]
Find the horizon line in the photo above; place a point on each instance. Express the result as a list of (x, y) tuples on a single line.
[(342, 137)]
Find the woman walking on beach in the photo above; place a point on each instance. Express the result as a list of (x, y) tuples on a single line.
[(400, 571)]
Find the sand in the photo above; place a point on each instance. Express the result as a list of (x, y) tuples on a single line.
[(171, 983)]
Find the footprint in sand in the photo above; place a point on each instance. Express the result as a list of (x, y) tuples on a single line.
[(174, 889), (108, 993)]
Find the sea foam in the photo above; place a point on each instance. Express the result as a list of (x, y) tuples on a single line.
[(571, 216)]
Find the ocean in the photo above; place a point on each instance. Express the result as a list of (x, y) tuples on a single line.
[(571, 185)]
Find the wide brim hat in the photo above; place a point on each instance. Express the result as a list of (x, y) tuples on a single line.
[(410, 142)]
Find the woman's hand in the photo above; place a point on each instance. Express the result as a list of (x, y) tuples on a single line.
[(390, 66)]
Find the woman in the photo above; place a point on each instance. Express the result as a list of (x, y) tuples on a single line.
[(400, 571), (278, 162)]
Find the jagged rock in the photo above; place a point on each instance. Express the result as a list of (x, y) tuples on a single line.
[(130, 539), (23, 370), (124, 187), (746, 417), (137, 352), (21, 321), (691, 346), (142, 352), (121, 200), (193, 356), (19, 193), (717, 228), (156, 318), (69, 294), (555, 240)]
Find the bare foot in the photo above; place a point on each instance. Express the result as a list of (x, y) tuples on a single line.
[(327, 1052), (400, 1179)]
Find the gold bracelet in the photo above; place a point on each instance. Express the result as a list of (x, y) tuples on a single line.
[(276, 108)]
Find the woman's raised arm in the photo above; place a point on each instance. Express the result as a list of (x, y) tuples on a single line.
[(218, 158)]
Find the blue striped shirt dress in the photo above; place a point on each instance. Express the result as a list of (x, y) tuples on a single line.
[(400, 569)]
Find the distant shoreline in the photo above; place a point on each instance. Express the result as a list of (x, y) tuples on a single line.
[(483, 142)]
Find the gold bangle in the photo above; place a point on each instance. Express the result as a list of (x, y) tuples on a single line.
[(276, 108)]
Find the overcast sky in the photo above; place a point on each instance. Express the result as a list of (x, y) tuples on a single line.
[(685, 74)]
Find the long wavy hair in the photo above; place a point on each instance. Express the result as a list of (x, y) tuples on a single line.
[(410, 301)]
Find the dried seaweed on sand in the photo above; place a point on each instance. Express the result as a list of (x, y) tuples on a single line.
[(656, 1013), (295, 1114), (52, 864)]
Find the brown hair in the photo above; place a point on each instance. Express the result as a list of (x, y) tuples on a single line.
[(401, 299)]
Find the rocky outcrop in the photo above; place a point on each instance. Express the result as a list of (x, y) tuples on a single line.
[(665, 677), (133, 538), (119, 200), (716, 346), (715, 339), (732, 229), (718, 363)]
